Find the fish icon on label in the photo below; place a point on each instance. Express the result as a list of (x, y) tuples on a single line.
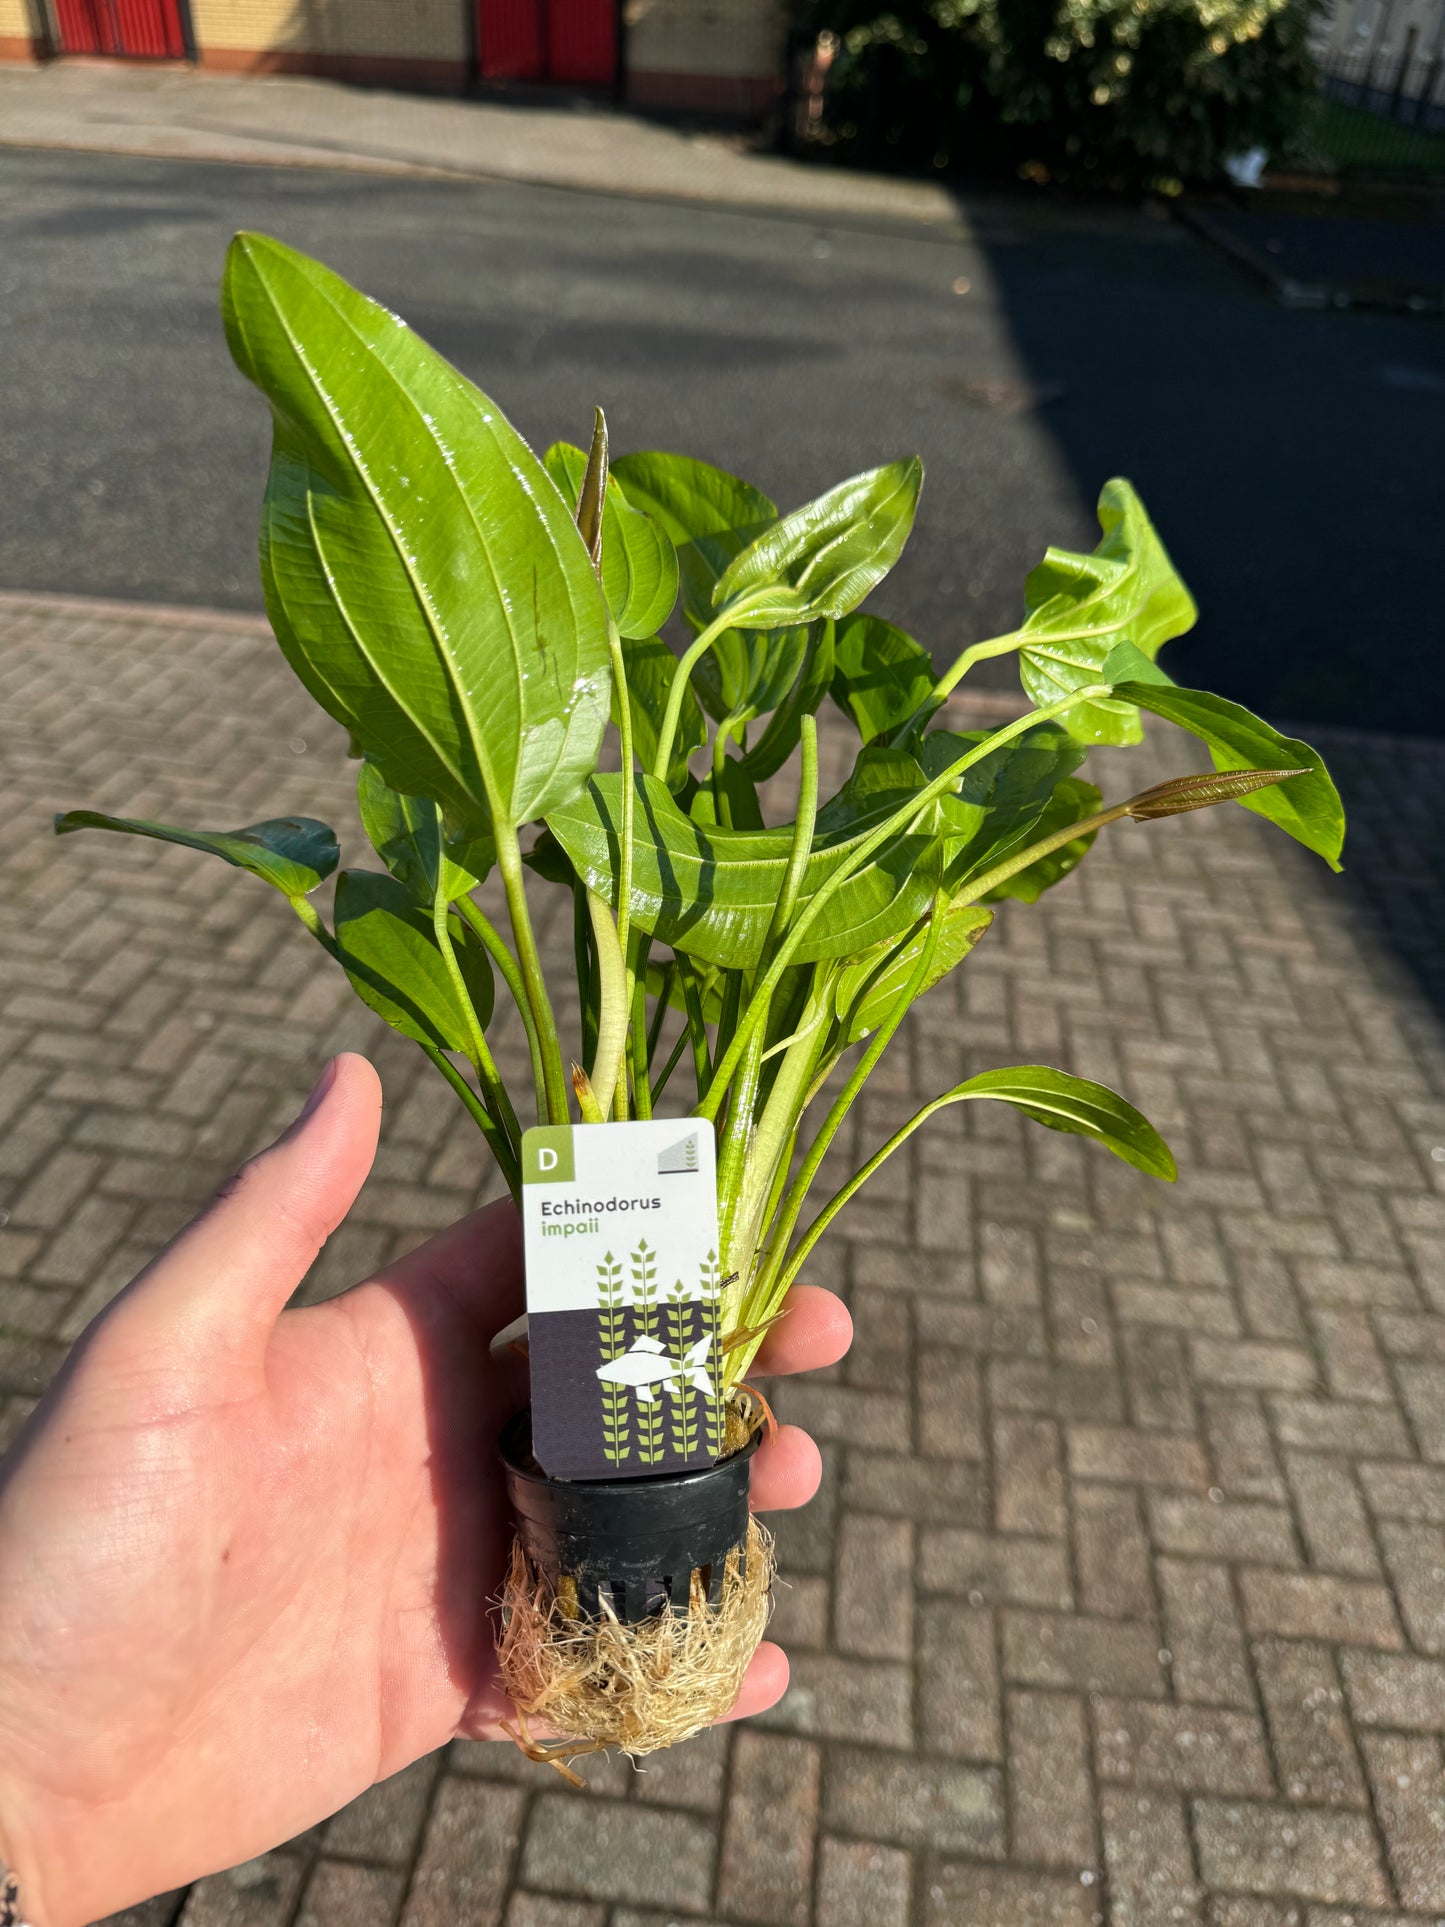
[(645, 1366)]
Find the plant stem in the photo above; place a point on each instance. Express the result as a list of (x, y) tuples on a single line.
[(496, 1137), (671, 1065), (696, 1024), (607, 1070), (802, 834), (664, 998), (509, 863), (680, 678), (498, 1102), (629, 786), (506, 965), (978, 887), (587, 988), (637, 1037), (311, 917), (711, 1104), (952, 676)]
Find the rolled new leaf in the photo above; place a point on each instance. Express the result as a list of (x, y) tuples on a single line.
[(292, 853), (639, 563), (424, 577), (1305, 805)]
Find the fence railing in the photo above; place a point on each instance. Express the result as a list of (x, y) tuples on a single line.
[(1383, 94)]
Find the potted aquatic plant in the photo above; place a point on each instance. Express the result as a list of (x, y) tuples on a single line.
[(492, 629)]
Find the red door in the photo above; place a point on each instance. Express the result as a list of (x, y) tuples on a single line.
[(135, 29), (571, 42)]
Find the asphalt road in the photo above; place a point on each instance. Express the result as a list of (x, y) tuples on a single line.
[(1292, 461)]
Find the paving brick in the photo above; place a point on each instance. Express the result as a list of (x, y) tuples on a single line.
[(1204, 1636), (384, 1824), (829, 1697), (1387, 1689), (1332, 1518), (1415, 1557), (1315, 1606), (861, 1884), (933, 1490), (339, 1894), (1310, 1854), (260, 1893), (800, 1612), (1160, 1384), (908, 1802), (1252, 1365), (1409, 1789), (1028, 1481), (872, 1606), (598, 1850), (767, 1849), (1147, 1856), (851, 1416), (1332, 1425), (689, 1775), (1085, 1655), (1313, 1744), (992, 1567), (1051, 1796), (1194, 1749), (466, 1852), (1214, 1529), (1422, 1387), (1354, 1367), (1116, 1452), (961, 1892), (960, 1713), (950, 1404), (1111, 1552), (1241, 1450), (1414, 1492), (540, 1910)]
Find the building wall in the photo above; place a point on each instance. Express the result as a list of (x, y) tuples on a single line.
[(422, 42), (713, 55), (20, 31)]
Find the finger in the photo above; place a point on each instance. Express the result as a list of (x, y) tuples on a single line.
[(764, 1683), (217, 1289), (815, 1330), (786, 1472)]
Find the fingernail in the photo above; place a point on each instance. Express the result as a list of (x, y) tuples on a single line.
[(318, 1091)]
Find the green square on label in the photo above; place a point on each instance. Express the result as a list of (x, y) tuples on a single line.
[(547, 1154)]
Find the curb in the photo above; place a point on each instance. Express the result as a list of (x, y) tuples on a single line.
[(1292, 293)]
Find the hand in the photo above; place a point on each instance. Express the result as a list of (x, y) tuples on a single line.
[(249, 1553)]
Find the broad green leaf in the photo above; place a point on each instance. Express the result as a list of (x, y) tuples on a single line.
[(690, 498), (825, 557), (748, 672), (866, 991), (1306, 807), (881, 677), (409, 836), (651, 666), (1079, 607), (998, 802), (737, 808), (423, 575), (390, 954), (293, 853), (784, 727), (1067, 1103), (711, 893), (639, 563), (1071, 802)]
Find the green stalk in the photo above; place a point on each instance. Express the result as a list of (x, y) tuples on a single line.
[(624, 730), (952, 676), (711, 1104), (803, 827), (311, 917), (736, 1145), (671, 1065), (496, 1137), (607, 1070), (507, 969), (659, 1015), (696, 1024), (637, 1037), (978, 887), (680, 676), (498, 1102), (509, 863), (586, 976)]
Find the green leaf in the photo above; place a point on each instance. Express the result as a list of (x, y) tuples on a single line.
[(1079, 607), (639, 563), (292, 853), (423, 575), (881, 677), (390, 955), (408, 835), (866, 991), (824, 558), (1071, 802), (998, 802), (740, 809), (690, 498), (748, 672), (1306, 807), (784, 727), (1066, 1103), (711, 893), (651, 666)]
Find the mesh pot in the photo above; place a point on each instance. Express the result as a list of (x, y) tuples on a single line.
[(636, 1542)]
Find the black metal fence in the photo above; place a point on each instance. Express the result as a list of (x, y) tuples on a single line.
[(1382, 82)]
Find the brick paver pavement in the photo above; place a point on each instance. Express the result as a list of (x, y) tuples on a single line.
[(1124, 1598)]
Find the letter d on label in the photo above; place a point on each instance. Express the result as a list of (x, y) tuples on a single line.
[(547, 1155)]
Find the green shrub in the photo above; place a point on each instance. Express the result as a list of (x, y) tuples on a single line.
[(1113, 93)]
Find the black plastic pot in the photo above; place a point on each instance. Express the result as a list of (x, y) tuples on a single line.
[(638, 1541)]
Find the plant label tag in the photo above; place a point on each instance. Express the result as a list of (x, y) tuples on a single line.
[(623, 1290)]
